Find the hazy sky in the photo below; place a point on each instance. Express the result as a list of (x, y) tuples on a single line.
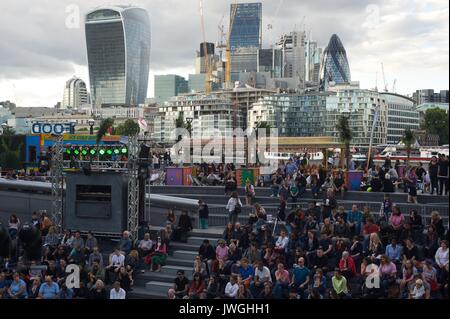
[(43, 45)]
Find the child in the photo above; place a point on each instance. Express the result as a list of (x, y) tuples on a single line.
[(419, 290)]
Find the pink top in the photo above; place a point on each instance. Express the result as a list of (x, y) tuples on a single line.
[(222, 252), (397, 221), (388, 269), (284, 276)]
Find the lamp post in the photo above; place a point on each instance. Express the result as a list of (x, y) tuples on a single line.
[(91, 123), (189, 121)]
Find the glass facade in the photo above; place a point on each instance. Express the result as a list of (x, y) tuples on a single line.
[(167, 86), (118, 48), (247, 25), (292, 114), (335, 65)]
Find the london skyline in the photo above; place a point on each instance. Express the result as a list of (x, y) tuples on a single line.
[(410, 37)]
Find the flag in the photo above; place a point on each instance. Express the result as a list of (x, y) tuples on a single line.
[(142, 124)]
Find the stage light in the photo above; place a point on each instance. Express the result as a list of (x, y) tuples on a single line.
[(84, 152), (124, 150), (102, 152), (92, 152), (116, 151), (68, 152), (76, 152), (109, 152)]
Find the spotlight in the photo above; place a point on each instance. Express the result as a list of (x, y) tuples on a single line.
[(76, 152), (124, 150), (102, 152), (109, 152), (68, 151), (92, 151), (116, 151), (84, 152)]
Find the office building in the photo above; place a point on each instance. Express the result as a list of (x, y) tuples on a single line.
[(246, 31), (75, 94), (118, 50), (401, 115), (335, 67), (430, 96), (292, 114), (167, 86), (360, 106)]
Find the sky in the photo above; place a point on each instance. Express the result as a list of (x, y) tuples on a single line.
[(43, 41)]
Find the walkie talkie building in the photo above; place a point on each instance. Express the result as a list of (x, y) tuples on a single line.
[(118, 49)]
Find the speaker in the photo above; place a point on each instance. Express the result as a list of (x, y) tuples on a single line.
[(5, 242), (31, 240), (144, 153)]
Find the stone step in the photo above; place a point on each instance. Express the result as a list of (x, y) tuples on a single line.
[(183, 246), (193, 240), (172, 270), (185, 254), (143, 293), (158, 287), (180, 262)]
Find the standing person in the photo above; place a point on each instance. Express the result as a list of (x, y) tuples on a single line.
[(45, 224), (249, 192), (234, 207), (411, 181), (433, 169), (203, 214), (420, 172), (443, 175), (441, 258), (13, 226)]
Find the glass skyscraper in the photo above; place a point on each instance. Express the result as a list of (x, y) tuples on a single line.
[(335, 64), (118, 48), (247, 25)]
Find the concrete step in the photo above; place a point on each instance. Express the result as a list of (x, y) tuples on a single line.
[(180, 262), (143, 293), (172, 270), (185, 254), (160, 276), (183, 246), (211, 232), (193, 240), (158, 287)]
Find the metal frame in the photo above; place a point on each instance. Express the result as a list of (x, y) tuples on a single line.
[(133, 186), (57, 181)]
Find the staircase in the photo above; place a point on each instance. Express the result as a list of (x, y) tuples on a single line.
[(154, 285)]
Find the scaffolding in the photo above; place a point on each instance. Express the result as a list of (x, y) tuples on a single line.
[(57, 180), (133, 186)]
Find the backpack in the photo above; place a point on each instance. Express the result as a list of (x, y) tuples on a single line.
[(237, 208)]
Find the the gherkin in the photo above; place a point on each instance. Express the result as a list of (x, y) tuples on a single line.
[(335, 67)]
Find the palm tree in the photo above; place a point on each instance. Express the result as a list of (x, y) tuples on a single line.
[(103, 129), (345, 136), (408, 139)]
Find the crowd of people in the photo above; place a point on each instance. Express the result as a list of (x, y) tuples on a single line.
[(39, 270), (324, 251)]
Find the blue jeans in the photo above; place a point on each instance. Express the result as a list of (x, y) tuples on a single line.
[(280, 290), (275, 190)]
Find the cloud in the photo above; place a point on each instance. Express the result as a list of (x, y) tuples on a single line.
[(409, 36)]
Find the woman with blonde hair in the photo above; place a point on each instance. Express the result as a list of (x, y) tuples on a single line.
[(375, 246)]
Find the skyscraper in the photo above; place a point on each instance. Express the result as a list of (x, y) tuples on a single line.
[(170, 85), (75, 94), (245, 38), (335, 65), (118, 49), (247, 25)]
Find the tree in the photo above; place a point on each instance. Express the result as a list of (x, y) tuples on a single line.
[(408, 139), (345, 136), (8, 131), (436, 122), (103, 129), (129, 128), (179, 123), (10, 156)]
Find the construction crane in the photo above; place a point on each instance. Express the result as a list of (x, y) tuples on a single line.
[(384, 78), (208, 71), (394, 86)]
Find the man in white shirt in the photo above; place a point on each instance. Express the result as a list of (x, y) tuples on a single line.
[(232, 288), (117, 292), (116, 261), (262, 275), (145, 245), (282, 241)]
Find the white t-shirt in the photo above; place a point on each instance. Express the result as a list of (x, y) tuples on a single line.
[(117, 261), (146, 244), (263, 274), (441, 257), (282, 242), (231, 290), (114, 294)]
